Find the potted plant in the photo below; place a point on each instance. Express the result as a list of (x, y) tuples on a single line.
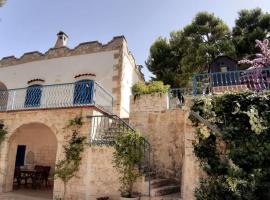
[(126, 158)]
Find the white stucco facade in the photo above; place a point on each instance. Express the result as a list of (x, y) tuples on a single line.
[(61, 70), (112, 64)]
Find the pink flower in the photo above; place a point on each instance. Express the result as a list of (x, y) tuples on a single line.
[(262, 59)]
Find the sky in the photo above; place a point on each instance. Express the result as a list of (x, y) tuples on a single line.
[(32, 25)]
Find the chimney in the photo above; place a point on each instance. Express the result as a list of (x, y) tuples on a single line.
[(62, 39)]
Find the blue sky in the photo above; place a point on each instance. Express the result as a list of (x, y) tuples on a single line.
[(29, 25)]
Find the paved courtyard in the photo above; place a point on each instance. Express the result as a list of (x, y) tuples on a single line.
[(27, 195)]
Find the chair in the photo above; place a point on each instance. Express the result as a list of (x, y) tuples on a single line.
[(37, 179), (17, 176), (46, 174)]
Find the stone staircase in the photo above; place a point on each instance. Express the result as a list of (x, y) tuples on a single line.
[(163, 188)]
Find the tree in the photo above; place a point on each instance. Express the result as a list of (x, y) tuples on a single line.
[(190, 50), (255, 76), (162, 62), (67, 168), (250, 25), (2, 2), (262, 59), (208, 37)]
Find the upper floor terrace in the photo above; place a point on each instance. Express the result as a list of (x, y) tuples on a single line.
[(38, 96), (253, 80)]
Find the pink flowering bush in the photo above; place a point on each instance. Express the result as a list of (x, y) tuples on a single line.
[(256, 78), (262, 59)]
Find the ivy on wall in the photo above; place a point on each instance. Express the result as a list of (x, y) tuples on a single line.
[(237, 160)]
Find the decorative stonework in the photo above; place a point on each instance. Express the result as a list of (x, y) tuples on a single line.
[(35, 81), (117, 78), (85, 75), (83, 48)]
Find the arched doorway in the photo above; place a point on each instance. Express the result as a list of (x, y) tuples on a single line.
[(31, 147), (3, 96)]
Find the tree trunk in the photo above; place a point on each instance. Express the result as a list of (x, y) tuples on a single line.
[(65, 191)]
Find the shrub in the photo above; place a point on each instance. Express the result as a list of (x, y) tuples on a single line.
[(152, 87), (126, 158), (236, 160)]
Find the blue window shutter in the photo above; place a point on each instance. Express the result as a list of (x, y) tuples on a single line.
[(20, 155), (83, 92), (33, 96)]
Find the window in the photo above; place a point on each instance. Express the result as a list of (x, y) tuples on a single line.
[(20, 155), (33, 96), (83, 92)]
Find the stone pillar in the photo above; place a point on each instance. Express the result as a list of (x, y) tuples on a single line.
[(191, 171)]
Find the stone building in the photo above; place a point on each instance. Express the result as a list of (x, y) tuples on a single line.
[(41, 92)]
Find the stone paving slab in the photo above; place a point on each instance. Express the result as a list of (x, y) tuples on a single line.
[(26, 195)]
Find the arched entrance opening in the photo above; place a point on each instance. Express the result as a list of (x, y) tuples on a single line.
[(31, 160), (3, 96)]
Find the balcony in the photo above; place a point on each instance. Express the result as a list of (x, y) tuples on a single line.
[(79, 94), (256, 80)]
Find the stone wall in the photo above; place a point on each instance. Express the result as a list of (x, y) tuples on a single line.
[(102, 177), (149, 102), (96, 176), (171, 136), (191, 171), (164, 129)]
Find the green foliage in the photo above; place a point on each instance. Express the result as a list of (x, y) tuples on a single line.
[(67, 168), (250, 25), (208, 37), (152, 87), (127, 156), (189, 50), (3, 133), (2, 3), (236, 161)]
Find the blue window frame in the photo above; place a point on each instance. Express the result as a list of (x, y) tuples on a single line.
[(83, 92), (33, 96)]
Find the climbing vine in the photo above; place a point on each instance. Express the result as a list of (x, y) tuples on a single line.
[(3, 133), (67, 168), (236, 160)]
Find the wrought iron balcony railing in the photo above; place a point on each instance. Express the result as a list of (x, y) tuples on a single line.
[(232, 81), (81, 93)]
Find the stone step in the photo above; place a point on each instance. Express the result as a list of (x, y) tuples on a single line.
[(152, 176), (165, 190), (175, 196), (156, 183)]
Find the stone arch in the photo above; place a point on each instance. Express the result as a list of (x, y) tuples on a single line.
[(41, 145), (3, 96)]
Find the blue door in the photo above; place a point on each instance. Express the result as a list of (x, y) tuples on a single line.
[(20, 155), (83, 92), (33, 96)]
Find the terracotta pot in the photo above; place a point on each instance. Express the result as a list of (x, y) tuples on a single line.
[(132, 198)]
